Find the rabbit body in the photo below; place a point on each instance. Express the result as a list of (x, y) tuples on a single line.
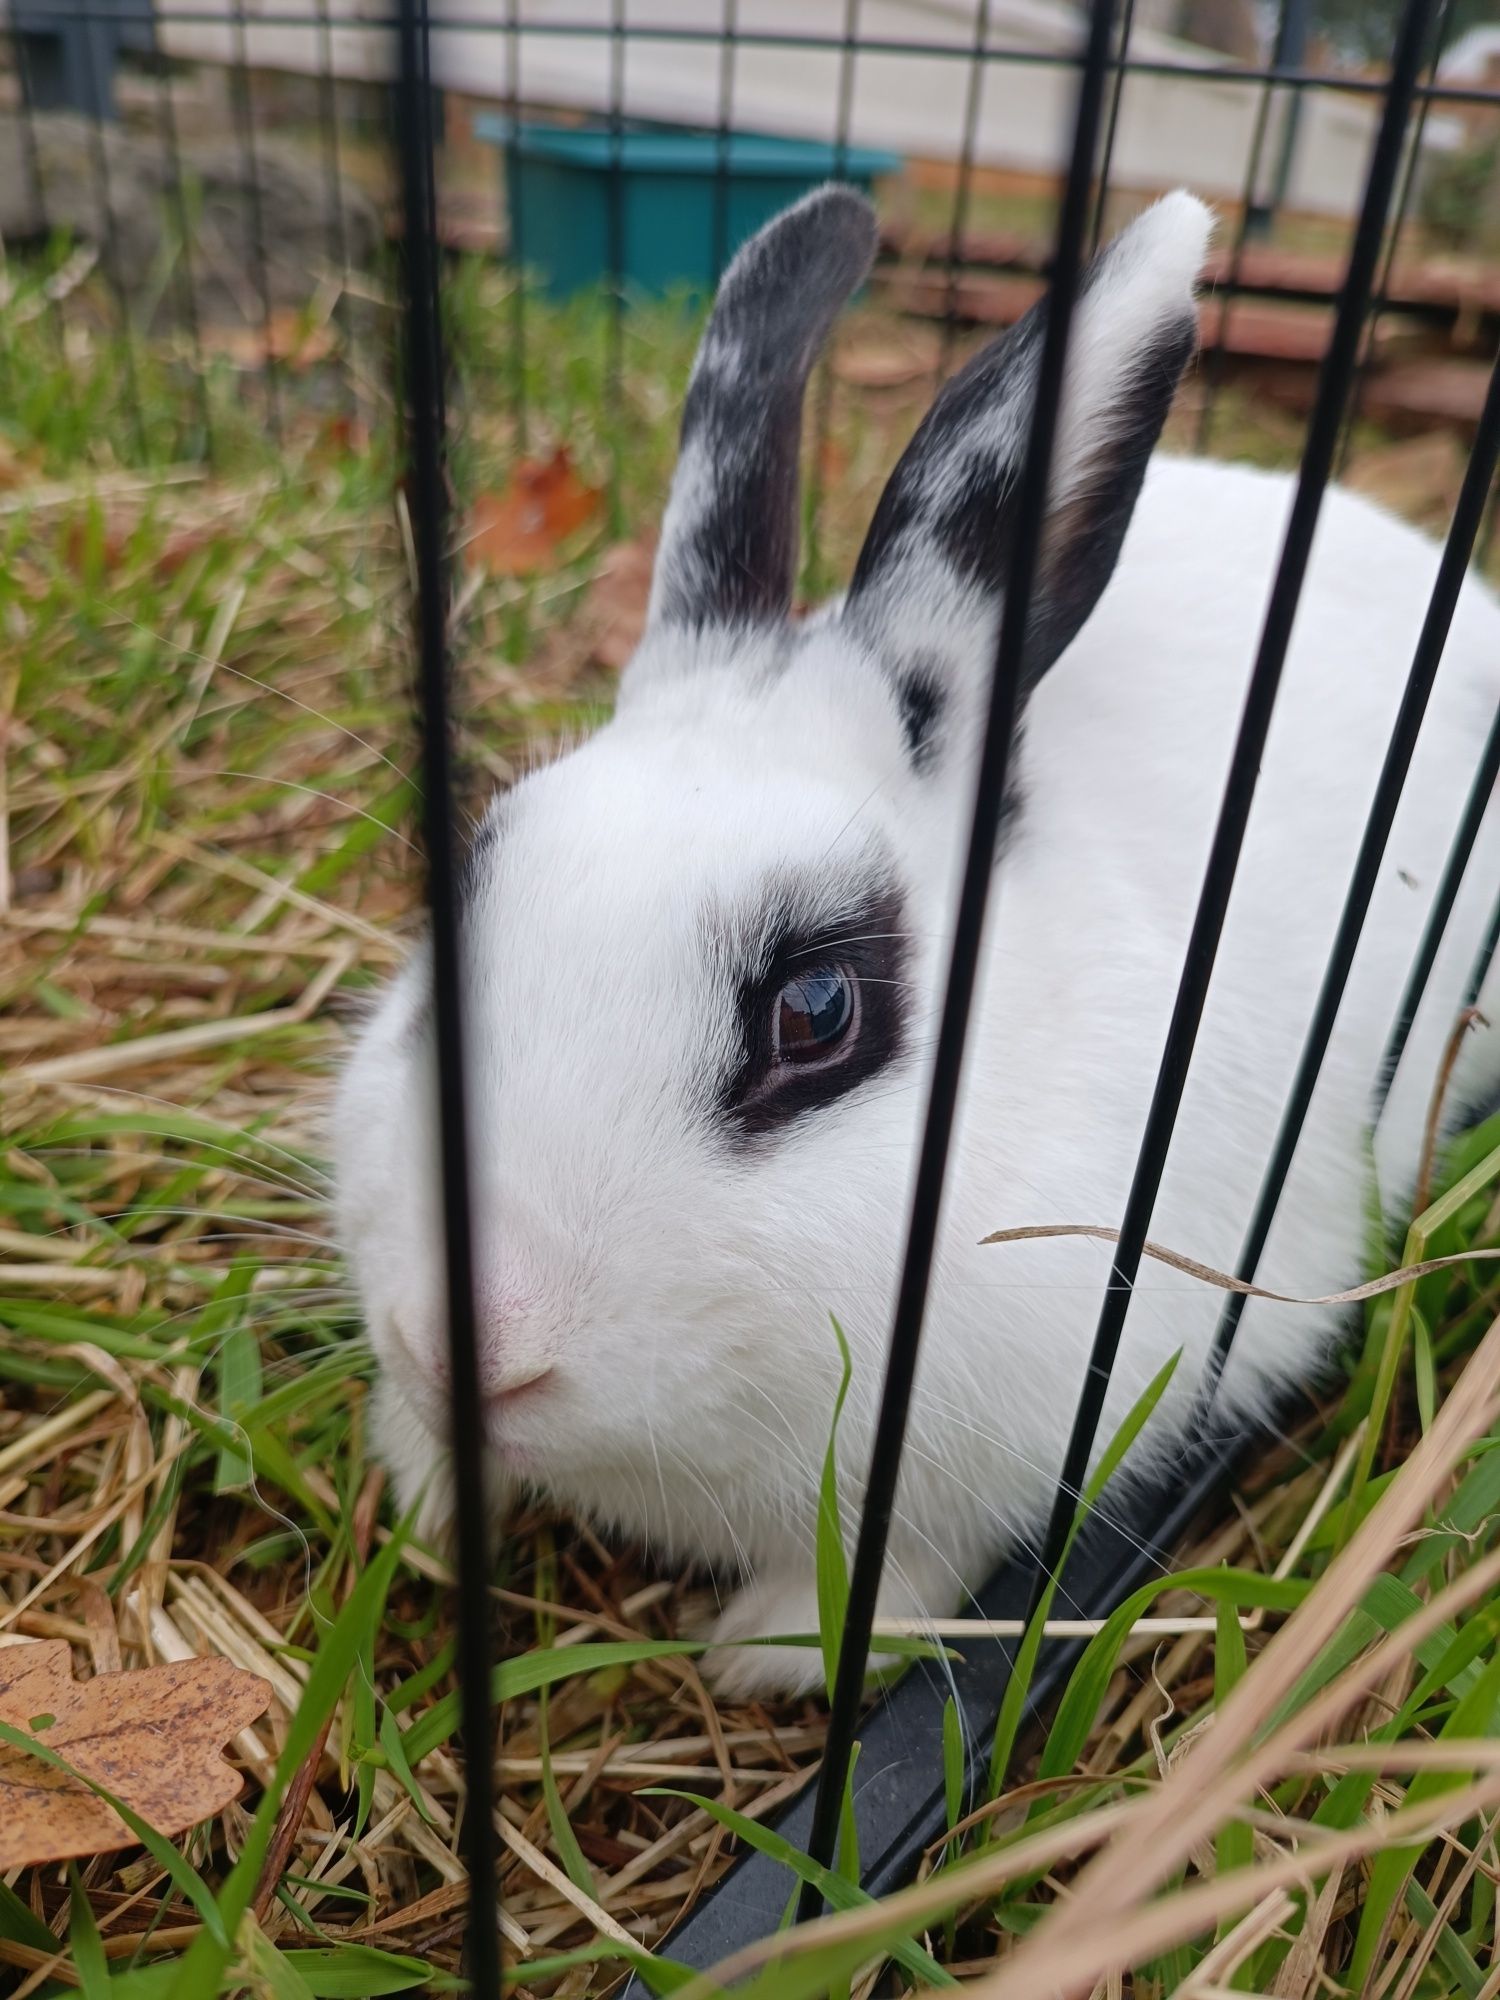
[(671, 1198)]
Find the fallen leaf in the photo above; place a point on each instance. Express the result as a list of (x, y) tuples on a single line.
[(833, 461), (169, 555), (284, 337), (79, 543), (179, 545), (886, 363), (153, 1737), (345, 436), (16, 466), (519, 530), (617, 599)]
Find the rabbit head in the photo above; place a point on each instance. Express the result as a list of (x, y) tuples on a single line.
[(704, 950)]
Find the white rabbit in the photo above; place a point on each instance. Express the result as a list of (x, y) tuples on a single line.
[(705, 953)]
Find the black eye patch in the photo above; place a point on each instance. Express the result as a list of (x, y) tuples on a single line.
[(820, 1010)]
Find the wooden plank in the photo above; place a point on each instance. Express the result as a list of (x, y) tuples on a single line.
[(1437, 391), (1449, 284), (1258, 329)]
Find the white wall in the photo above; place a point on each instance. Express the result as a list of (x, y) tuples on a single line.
[(1177, 129)]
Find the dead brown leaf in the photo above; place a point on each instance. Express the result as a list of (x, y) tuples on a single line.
[(285, 337), (182, 543), (888, 361), (617, 602), (17, 467), (167, 557), (344, 436), (833, 461), (519, 530), (154, 1738)]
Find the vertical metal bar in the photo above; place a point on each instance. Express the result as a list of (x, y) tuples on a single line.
[(1484, 959), (724, 136), (187, 297), (615, 243), (31, 150), (428, 500), (1475, 806), (110, 248), (433, 113), (1106, 158), (244, 116), (1487, 538), (823, 393), (1290, 55), (1218, 348), (333, 176), (1381, 299), (848, 51), (958, 220), (1429, 652), (963, 965), (328, 123), (513, 171), (1208, 922)]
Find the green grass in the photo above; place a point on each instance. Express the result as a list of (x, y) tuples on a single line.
[(208, 793)]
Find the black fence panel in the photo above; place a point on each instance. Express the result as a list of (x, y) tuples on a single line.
[(1239, 788), (963, 968), (427, 432), (1459, 548), (900, 1810), (1475, 806), (900, 1805)]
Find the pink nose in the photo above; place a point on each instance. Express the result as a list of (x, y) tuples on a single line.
[(508, 1361), (511, 1356)]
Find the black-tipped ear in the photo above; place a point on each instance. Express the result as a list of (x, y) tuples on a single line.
[(931, 577), (729, 539)]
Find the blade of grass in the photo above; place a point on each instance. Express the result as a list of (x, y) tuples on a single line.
[(1018, 1685), (513, 1678), (1424, 1227), (569, 1853), (1475, 1715), (241, 1377), (831, 1557), (83, 1940), (204, 1963), (20, 1925)]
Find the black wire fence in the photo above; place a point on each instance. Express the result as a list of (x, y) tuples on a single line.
[(63, 58)]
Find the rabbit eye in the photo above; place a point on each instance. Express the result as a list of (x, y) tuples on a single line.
[(814, 1013), (819, 1005)]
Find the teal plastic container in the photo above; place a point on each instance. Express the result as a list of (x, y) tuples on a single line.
[(558, 194)]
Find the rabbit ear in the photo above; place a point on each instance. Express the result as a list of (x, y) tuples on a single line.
[(931, 577), (729, 538)]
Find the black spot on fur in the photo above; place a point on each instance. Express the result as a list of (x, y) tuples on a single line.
[(972, 529), (977, 528), (735, 558), (482, 845), (736, 561), (951, 501), (920, 698)]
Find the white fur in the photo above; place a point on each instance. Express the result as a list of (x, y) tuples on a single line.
[(679, 1286)]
